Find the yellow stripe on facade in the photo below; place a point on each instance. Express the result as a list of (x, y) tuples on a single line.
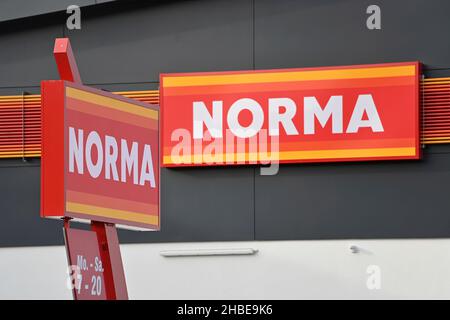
[(111, 103), (307, 75), (111, 213), (19, 154), (296, 155)]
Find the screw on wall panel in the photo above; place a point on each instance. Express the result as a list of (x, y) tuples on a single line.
[(354, 249)]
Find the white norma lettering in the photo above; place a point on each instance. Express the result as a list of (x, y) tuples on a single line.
[(281, 113), (107, 162)]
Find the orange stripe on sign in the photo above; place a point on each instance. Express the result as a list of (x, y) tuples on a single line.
[(111, 103), (289, 76), (289, 86), (309, 155), (326, 145), (111, 213), (111, 114), (116, 203)]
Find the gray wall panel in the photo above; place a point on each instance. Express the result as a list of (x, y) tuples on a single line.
[(15, 9), (295, 33), (406, 199), (26, 54), (19, 91), (167, 37), (19, 207), (209, 204)]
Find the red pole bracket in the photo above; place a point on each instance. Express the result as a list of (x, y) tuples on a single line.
[(65, 60)]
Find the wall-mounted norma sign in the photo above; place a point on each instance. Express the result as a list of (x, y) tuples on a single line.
[(100, 156), (349, 113)]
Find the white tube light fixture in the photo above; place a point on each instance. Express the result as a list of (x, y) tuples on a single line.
[(208, 252)]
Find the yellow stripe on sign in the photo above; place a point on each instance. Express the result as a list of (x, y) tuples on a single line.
[(111, 103), (301, 155), (111, 213), (348, 153), (374, 72)]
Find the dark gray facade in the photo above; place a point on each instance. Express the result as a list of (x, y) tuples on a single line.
[(124, 45)]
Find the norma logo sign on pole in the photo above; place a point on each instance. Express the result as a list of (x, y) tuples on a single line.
[(102, 159), (351, 113), (100, 164)]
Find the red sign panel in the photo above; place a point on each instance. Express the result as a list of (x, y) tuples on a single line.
[(99, 156), (351, 113), (86, 269)]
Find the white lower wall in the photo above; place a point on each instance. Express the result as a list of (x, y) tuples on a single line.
[(410, 269)]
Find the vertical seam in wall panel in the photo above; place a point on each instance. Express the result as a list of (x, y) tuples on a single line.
[(254, 203), (253, 33)]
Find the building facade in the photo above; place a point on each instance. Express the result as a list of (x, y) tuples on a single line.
[(321, 230)]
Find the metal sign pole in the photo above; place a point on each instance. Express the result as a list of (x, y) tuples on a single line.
[(108, 242)]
